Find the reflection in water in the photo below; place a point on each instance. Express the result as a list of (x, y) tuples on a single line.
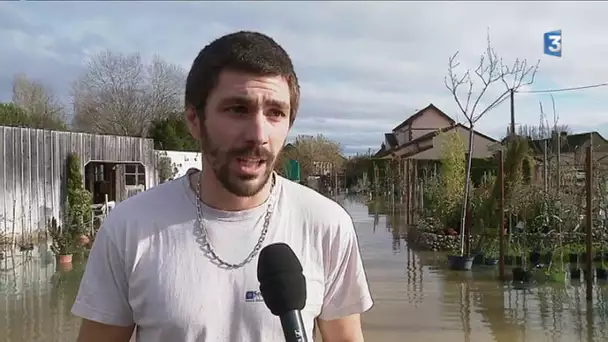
[(438, 304), (35, 298), (416, 297)]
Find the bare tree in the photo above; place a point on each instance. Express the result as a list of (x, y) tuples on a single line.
[(490, 71), (43, 108), (315, 154), (544, 130), (119, 94)]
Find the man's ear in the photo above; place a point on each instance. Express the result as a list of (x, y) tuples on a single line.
[(194, 122)]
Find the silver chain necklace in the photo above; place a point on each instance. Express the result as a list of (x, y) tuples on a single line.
[(205, 236)]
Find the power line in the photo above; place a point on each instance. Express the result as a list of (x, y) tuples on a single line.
[(563, 89)]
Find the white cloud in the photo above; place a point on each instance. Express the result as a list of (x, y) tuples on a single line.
[(364, 66)]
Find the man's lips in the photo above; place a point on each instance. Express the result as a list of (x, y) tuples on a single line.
[(249, 165)]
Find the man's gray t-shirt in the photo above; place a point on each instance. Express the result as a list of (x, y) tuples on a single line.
[(147, 266)]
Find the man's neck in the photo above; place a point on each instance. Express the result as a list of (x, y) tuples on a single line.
[(216, 196)]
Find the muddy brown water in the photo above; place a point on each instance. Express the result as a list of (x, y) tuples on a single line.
[(416, 297)]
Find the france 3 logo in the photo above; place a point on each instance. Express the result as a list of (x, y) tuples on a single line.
[(552, 45)]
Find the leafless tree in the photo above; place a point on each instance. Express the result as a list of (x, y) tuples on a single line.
[(490, 70), (120, 94), (544, 130), (315, 154), (43, 108)]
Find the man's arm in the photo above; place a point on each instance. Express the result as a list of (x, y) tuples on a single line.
[(346, 290), (91, 331), (102, 299), (346, 329)]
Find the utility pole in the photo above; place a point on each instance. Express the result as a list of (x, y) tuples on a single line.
[(512, 96)]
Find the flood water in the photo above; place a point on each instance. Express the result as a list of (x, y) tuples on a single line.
[(416, 297)]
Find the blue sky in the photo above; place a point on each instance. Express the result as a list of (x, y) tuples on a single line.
[(364, 67)]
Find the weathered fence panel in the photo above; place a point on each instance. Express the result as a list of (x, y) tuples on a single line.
[(33, 165)]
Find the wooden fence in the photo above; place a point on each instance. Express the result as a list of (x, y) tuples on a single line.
[(33, 164)]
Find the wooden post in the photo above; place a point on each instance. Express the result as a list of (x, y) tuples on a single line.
[(589, 222), (558, 160), (545, 168), (408, 198), (512, 98), (416, 206), (501, 206)]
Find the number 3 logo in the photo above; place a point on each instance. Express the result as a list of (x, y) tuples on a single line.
[(552, 45), (556, 43)]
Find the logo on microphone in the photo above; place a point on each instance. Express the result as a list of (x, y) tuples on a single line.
[(253, 296)]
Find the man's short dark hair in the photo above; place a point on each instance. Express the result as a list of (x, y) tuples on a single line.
[(243, 51)]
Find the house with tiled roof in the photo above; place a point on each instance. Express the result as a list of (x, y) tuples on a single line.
[(413, 148), (417, 137), (572, 153)]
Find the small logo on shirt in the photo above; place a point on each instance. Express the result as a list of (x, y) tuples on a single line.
[(253, 296)]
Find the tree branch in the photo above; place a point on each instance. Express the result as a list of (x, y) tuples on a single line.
[(490, 70)]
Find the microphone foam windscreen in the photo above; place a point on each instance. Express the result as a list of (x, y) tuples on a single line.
[(282, 284)]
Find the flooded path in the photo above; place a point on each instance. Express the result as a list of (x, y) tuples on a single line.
[(416, 297)]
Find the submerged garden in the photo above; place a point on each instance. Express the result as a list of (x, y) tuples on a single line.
[(544, 210)]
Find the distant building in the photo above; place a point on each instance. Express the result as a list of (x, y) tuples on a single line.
[(180, 161), (416, 137), (572, 154), (413, 148)]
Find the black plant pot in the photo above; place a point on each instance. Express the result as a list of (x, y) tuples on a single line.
[(490, 261), (573, 258), (509, 260), (575, 273), (521, 275), (601, 273), (478, 259), (460, 263), (534, 258)]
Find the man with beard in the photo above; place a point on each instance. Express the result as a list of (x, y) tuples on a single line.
[(179, 261)]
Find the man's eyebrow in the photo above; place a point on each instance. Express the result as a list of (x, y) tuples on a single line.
[(276, 103), (248, 101)]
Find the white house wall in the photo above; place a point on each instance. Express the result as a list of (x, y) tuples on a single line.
[(182, 161)]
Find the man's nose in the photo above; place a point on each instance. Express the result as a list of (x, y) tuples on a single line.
[(257, 129)]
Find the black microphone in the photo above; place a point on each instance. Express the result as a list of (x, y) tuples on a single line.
[(283, 287)]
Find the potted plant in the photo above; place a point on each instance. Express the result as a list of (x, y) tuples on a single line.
[(490, 252), (478, 251), (536, 254), (520, 273), (556, 270), (79, 202), (62, 244), (516, 252), (458, 261)]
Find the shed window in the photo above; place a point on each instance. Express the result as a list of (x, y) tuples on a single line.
[(98, 170), (135, 174)]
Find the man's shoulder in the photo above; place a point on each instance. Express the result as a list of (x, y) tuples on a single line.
[(313, 205), (148, 206)]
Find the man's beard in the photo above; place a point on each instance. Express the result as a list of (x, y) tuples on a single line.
[(219, 160)]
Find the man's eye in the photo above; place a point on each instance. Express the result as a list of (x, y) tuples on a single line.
[(277, 113), (238, 109)]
